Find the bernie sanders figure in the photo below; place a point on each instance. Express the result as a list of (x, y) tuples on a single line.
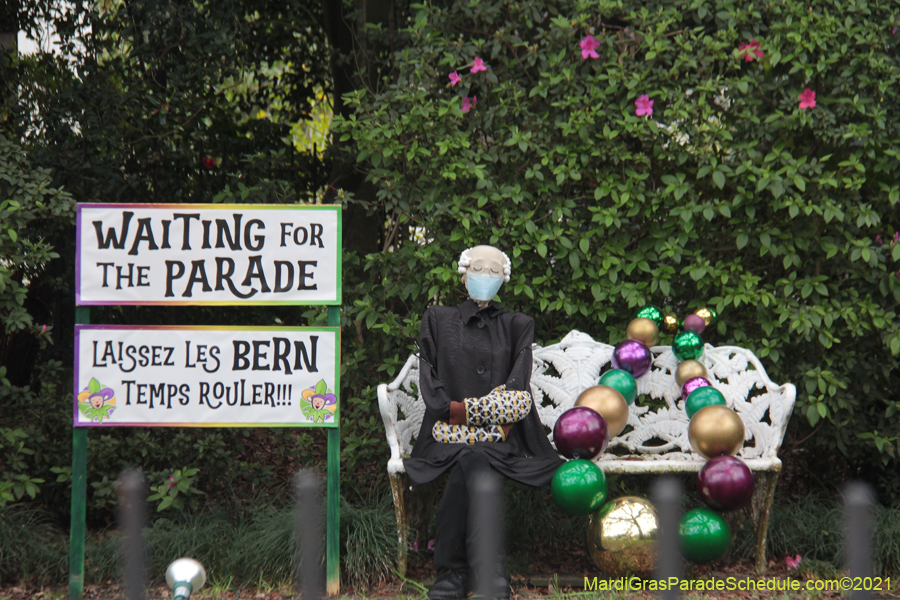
[(480, 419)]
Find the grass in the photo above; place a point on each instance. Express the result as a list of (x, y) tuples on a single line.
[(31, 548), (256, 546)]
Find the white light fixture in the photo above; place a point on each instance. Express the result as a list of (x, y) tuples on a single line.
[(185, 576)]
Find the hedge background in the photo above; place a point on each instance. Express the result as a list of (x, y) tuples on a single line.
[(785, 220), (729, 195)]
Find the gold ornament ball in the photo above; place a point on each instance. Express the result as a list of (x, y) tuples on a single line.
[(643, 330), (716, 430), (670, 324), (622, 537), (689, 369), (611, 405), (708, 316)]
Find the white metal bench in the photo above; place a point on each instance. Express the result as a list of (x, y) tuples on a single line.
[(656, 442)]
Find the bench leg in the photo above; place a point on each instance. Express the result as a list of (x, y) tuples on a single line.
[(761, 514), (402, 521)]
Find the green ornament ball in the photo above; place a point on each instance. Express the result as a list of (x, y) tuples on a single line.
[(652, 313), (579, 487), (705, 536), (621, 381), (687, 346), (701, 398)]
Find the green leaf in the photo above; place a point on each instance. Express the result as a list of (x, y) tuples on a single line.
[(742, 240), (812, 415), (719, 178)]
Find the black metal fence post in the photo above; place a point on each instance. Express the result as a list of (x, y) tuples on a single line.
[(858, 540), (132, 516), (308, 530), (487, 522), (666, 495)]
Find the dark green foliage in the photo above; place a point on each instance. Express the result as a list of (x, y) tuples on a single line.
[(246, 549), (31, 548), (147, 102), (730, 195), (369, 535), (813, 528), (152, 91)]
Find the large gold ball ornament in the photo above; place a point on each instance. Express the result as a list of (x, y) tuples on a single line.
[(670, 324), (643, 330), (689, 369), (709, 316), (716, 430), (611, 405), (622, 537)]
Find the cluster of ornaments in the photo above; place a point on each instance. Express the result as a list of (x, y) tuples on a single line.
[(600, 413), (715, 432)]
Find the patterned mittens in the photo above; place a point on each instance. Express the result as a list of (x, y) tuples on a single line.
[(485, 419)]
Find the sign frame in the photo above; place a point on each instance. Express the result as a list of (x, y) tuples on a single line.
[(78, 527)]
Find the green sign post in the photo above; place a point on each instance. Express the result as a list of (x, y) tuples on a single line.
[(132, 376)]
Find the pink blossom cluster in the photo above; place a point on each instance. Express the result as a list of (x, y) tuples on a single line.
[(476, 67), (749, 51)]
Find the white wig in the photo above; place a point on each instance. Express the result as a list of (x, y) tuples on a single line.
[(465, 260)]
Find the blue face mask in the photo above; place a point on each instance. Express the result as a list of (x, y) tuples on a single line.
[(483, 287)]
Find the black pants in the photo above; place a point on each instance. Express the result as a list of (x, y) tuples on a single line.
[(457, 541)]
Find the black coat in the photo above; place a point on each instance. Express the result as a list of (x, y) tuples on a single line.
[(465, 352)]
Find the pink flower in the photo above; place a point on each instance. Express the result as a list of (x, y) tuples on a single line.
[(793, 563), (644, 106), (751, 51), (807, 99), (878, 239), (466, 106), (431, 545), (477, 65), (454, 78), (209, 163), (589, 47), (44, 329), (896, 236)]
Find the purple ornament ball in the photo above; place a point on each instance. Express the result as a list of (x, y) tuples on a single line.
[(725, 483), (581, 432), (692, 384), (632, 356), (694, 323)]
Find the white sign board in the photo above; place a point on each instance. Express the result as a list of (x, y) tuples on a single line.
[(208, 254), (172, 376)]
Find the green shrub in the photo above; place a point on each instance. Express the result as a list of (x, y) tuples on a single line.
[(31, 547), (730, 195), (32, 212)]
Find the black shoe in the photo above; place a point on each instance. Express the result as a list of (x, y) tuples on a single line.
[(450, 585)]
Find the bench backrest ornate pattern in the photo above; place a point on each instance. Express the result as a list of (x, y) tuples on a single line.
[(565, 369)]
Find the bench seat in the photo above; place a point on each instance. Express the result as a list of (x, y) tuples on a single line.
[(655, 440)]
